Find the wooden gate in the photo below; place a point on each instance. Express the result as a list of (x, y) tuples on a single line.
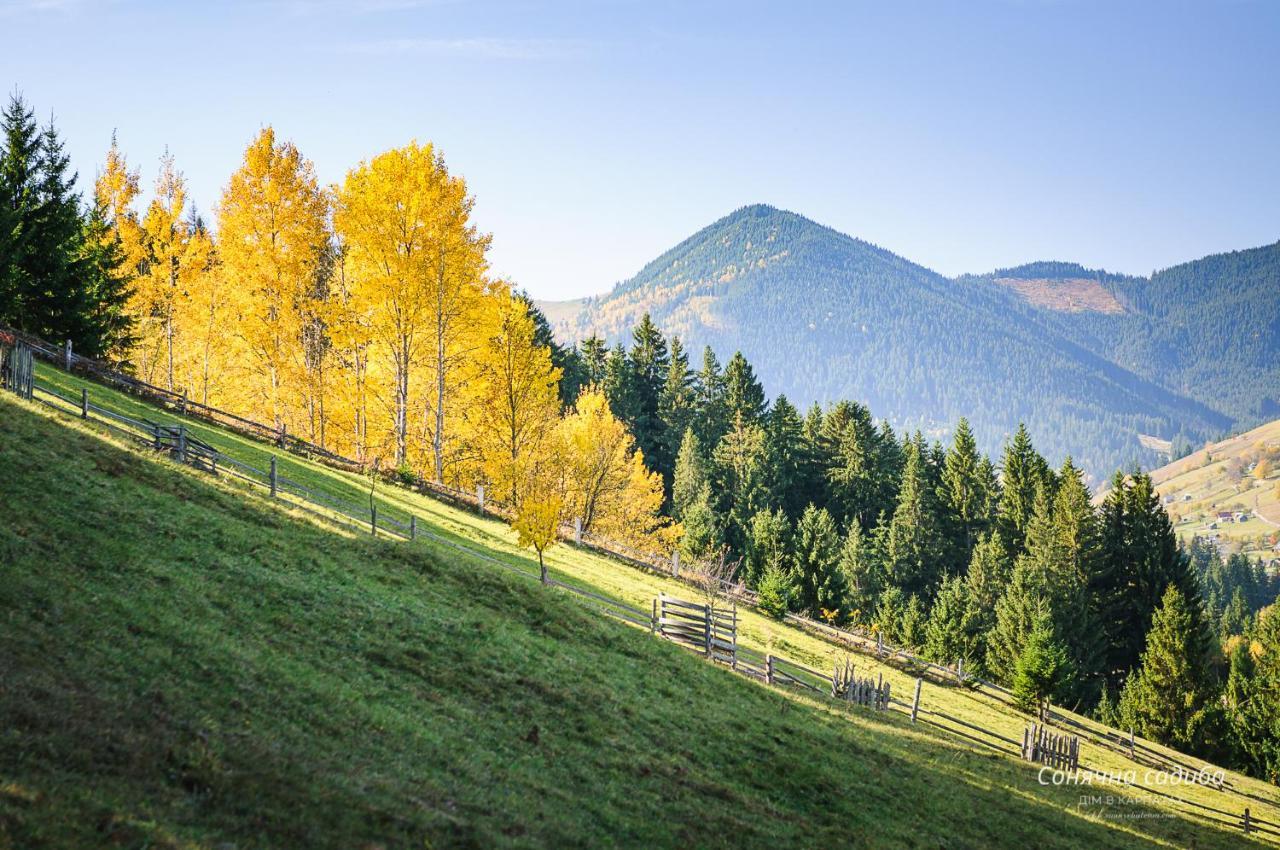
[(705, 628), (17, 372), (1041, 745)]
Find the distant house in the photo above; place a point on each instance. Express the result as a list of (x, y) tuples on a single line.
[(1226, 516), (1241, 516), (1186, 497), (1213, 525)]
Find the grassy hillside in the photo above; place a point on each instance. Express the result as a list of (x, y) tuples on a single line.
[(823, 316), (1225, 477), (349, 631)]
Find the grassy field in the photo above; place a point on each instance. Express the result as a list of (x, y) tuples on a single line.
[(1221, 477), (606, 576)]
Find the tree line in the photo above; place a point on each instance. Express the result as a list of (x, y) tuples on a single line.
[(360, 316)]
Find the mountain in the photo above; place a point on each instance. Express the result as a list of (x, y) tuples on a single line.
[(822, 315)]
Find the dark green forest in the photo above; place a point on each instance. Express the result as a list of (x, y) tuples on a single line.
[(1005, 563)]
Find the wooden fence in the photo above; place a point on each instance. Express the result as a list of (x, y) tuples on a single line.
[(1050, 748)]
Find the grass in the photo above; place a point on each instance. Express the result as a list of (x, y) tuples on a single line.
[(608, 577)]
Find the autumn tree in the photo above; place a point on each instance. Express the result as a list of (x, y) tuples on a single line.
[(166, 234), (272, 226), (416, 269)]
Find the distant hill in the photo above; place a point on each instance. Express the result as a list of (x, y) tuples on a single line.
[(1229, 490), (822, 316)]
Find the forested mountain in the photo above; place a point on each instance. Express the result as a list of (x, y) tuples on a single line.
[(824, 316), (1207, 329)]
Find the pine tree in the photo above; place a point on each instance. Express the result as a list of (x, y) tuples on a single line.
[(110, 286), (815, 558), (1138, 559), (594, 353), (743, 394), (739, 468), (952, 632), (650, 361), (676, 402), (862, 562), (1166, 698), (913, 552), (769, 542), (46, 275), (1042, 668), (619, 384), (963, 496), (776, 591), (1015, 617), (712, 419), (789, 468), (1021, 471)]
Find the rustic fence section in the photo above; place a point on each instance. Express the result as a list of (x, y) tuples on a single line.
[(1050, 748), (863, 690), (17, 372)]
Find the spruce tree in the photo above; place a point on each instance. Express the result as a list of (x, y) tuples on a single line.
[(1015, 616), (1166, 698), (862, 562), (912, 557), (691, 475), (1042, 669), (676, 401), (789, 467), (594, 352), (769, 542), (953, 629), (815, 560), (650, 361), (776, 591), (743, 395), (110, 286), (963, 496), (739, 479), (1021, 471), (712, 418)]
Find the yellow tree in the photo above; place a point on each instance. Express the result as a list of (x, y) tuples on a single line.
[(415, 269), (165, 236), (272, 226), (115, 191), (540, 510), (607, 484), (515, 405), (347, 322), (206, 353)]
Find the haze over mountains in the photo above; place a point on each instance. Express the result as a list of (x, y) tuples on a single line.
[(1110, 369)]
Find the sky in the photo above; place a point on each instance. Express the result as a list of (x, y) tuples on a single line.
[(964, 136)]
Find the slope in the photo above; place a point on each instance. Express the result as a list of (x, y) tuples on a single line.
[(824, 316), (220, 664)]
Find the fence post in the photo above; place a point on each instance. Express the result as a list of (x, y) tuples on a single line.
[(1247, 826), (706, 628), (879, 644), (373, 519), (960, 671), (577, 530), (183, 408), (182, 444), (1130, 742), (274, 484), (413, 526), (480, 497), (653, 618), (67, 355), (84, 402), (768, 669), (675, 563), (915, 705)]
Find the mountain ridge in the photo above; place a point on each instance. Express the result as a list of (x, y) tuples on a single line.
[(824, 315)]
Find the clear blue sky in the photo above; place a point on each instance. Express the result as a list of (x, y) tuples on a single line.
[(964, 136)]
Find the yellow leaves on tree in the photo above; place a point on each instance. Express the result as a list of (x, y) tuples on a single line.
[(537, 521), (607, 484), (414, 266), (272, 224), (513, 414), (115, 191)]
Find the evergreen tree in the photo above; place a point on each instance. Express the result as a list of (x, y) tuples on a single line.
[(913, 552), (692, 503), (712, 418), (739, 479), (573, 375), (862, 562), (48, 279), (691, 475), (1138, 559), (776, 590), (815, 561), (676, 403), (1042, 668), (789, 468), (1165, 700), (769, 542), (1252, 698), (111, 283), (594, 353), (619, 388), (1015, 617), (861, 463), (964, 497), (1021, 471), (953, 629), (743, 394), (650, 362)]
